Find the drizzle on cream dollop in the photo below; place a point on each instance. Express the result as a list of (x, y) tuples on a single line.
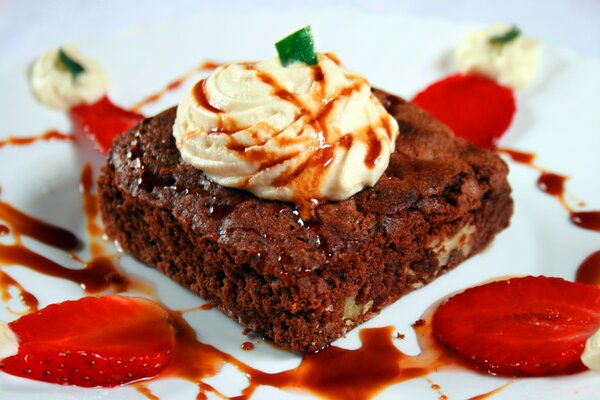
[(55, 86), (513, 64), (298, 133)]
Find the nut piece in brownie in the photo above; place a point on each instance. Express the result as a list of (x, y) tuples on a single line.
[(306, 283)]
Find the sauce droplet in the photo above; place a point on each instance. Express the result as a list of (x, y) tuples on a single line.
[(473, 106), (437, 388), (586, 219), (551, 183), (246, 346)]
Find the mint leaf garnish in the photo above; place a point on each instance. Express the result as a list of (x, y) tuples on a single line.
[(71, 65), (505, 38), (297, 47)]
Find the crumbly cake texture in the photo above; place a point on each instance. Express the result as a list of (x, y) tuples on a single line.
[(303, 283)]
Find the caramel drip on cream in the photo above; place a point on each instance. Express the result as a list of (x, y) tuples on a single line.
[(301, 133), (279, 90), (202, 99)]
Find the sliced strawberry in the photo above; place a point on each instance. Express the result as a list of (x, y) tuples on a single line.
[(103, 121), (94, 341), (531, 326), (473, 106)]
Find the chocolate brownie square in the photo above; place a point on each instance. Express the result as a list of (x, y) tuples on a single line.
[(304, 283)]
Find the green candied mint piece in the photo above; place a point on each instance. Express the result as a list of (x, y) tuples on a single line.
[(505, 38), (299, 46), (71, 65)]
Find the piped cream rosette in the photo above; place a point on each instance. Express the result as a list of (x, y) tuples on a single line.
[(297, 133)]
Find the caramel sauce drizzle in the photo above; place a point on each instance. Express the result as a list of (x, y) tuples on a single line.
[(103, 262), (47, 136), (26, 225), (332, 373), (97, 275), (27, 299), (554, 185), (91, 209), (493, 392), (205, 66)]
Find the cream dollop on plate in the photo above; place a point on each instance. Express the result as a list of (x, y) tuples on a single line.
[(56, 87), (513, 64), (9, 345), (591, 353), (298, 133)]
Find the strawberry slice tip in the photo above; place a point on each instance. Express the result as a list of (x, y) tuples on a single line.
[(94, 341), (103, 121), (530, 326)]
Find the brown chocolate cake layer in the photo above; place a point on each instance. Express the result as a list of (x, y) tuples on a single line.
[(306, 283)]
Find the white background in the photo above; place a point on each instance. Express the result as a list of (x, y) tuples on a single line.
[(27, 27)]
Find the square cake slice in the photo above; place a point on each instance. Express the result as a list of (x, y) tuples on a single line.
[(305, 283)]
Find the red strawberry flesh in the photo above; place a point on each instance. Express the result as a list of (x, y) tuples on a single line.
[(531, 326), (94, 341), (103, 121), (473, 106)]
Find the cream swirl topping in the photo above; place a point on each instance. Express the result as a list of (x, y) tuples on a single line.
[(297, 133)]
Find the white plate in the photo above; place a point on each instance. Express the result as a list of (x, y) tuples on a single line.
[(557, 118)]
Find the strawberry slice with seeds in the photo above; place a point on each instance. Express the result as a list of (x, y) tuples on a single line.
[(95, 341), (531, 326)]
